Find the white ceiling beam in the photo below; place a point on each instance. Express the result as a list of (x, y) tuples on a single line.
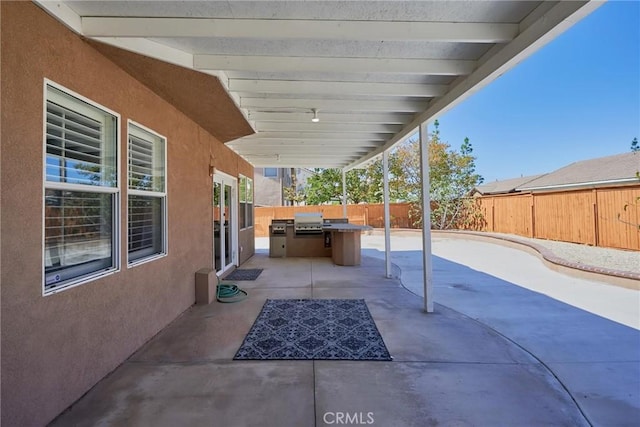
[(300, 158), (311, 154), (299, 163), (329, 156), (297, 150), (380, 118), (62, 13), (339, 88), (442, 67), (332, 105), (548, 26), (274, 158), (324, 143), (462, 32), (319, 135), (326, 127)]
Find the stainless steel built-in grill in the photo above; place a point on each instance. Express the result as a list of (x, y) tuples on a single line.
[(279, 226), (308, 223), (278, 238)]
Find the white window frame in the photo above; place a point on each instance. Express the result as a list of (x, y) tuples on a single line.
[(234, 212), (115, 191), (248, 200), (264, 173), (131, 125)]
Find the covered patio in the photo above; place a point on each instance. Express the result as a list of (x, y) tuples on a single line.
[(447, 369), (221, 88), (329, 85)]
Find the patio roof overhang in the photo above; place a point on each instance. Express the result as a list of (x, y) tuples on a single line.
[(373, 71)]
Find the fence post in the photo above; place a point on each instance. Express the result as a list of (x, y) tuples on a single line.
[(533, 215), (596, 239), (493, 214)]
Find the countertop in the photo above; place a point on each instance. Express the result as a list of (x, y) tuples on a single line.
[(345, 228)]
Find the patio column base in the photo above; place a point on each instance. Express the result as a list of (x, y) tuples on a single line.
[(206, 282)]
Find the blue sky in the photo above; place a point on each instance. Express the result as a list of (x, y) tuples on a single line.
[(576, 98)]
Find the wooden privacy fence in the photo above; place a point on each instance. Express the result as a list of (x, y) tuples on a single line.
[(583, 216), (371, 214)]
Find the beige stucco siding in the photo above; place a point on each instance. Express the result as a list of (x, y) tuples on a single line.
[(54, 348)]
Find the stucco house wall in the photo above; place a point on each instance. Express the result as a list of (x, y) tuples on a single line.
[(56, 347)]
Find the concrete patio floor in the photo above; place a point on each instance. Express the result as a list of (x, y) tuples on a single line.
[(449, 368)]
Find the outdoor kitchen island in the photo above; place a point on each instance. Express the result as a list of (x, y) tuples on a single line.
[(309, 235)]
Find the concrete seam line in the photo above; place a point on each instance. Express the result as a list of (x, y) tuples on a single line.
[(484, 325), (566, 389)]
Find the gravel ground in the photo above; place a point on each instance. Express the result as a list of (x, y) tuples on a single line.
[(613, 259)]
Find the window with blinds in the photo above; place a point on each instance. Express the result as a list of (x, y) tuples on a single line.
[(145, 227), (80, 191), (147, 195)]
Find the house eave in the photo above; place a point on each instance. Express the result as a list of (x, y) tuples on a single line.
[(585, 185)]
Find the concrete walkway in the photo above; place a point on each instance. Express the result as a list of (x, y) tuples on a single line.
[(513, 293), (493, 354), (518, 267)]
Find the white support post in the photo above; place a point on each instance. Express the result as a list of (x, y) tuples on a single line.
[(426, 220), (344, 194), (387, 216)]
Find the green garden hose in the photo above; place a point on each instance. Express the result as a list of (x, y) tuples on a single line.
[(229, 292)]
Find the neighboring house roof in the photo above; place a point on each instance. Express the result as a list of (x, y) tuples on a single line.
[(612, 170), (505, 186)]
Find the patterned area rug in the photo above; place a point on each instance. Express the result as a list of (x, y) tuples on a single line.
[(313, 329), (244, 274)]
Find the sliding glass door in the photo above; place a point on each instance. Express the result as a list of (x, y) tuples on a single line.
[(225, 226)]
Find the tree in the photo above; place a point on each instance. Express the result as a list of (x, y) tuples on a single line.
[(324, 186), (452, 178), (635, 147), (291, 193), (404, 171), (363, 185)]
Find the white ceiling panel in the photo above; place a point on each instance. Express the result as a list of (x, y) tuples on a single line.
[(329, 48), (371, 72), (438, 11), (342, 77)]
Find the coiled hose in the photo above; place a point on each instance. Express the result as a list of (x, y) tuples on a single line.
[(229, 292)]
